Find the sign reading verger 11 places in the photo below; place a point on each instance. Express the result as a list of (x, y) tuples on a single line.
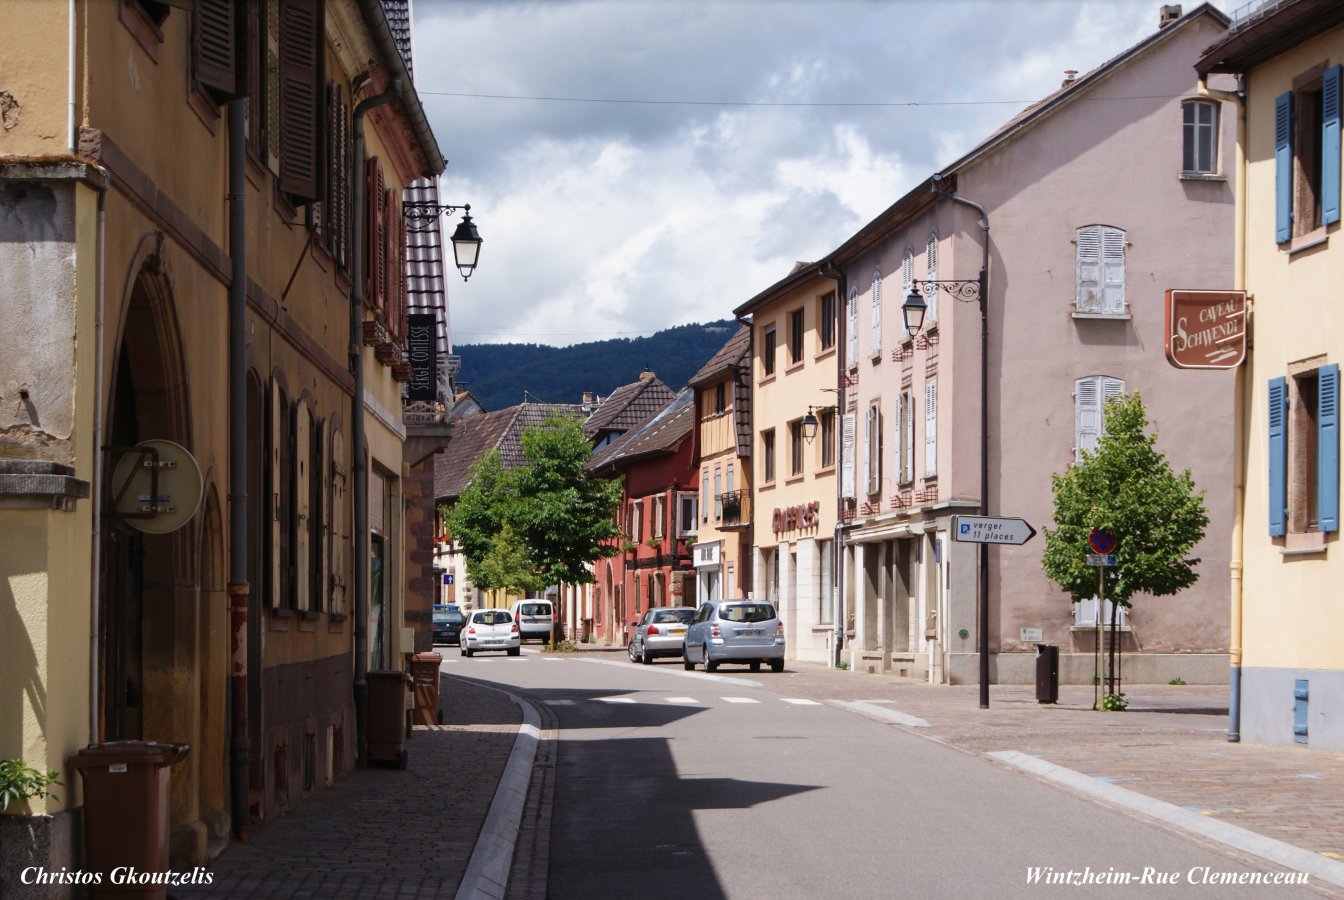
[(991, 530), (1206, 329)]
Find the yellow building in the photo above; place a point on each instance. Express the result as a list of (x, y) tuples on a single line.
[(1288, 606), (796, 429), (194, 251)]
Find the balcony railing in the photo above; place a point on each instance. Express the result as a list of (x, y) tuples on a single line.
[(730, 505)]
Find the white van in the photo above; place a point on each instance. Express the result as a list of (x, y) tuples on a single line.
[(536, 619)]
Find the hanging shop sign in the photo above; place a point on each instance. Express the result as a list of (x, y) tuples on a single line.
[(1205, 329), (422, 350), (156, 486)]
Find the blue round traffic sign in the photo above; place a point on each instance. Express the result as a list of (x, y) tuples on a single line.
[(1101, 540)]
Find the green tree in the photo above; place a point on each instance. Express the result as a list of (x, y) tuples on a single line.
[(540, 524), (1128, 486)]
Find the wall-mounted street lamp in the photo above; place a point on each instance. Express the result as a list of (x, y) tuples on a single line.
[(810, 421), (466, 239)]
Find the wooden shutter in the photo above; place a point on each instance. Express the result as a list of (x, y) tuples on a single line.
[(909, 453), (1327, 447), (847, 456), (375, 296), (876, 346), (1089, 269), (339, 537), (1330, 159), (930, 428), (852, 329), (1283, 167), (1278, 456), (303, 494), (274, 446), (867, 448), (907, 272), (1086, 416), (1113, 271), (896, 442), (214, 47), (301, 46), (931, 267)]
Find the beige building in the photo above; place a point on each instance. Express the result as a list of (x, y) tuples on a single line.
[(1287, 606), (796, 436), (206, 254)]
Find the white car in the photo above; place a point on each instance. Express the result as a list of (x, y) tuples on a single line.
[(491, 629)]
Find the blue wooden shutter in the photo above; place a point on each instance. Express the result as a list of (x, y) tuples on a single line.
[(1327, 447), (1283, 167), (1330, 146), (1278, 456)]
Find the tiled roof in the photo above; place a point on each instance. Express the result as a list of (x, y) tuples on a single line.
[(629, 405), (398, 14), (662, 433), (475, 436), (525, 414), (730, 356)]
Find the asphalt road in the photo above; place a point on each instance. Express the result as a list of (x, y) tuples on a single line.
[(689, 785)]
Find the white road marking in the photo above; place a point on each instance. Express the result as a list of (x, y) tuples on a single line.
[(738, 700), (559, 702), (800, 702), (682, 700), (616, 699)]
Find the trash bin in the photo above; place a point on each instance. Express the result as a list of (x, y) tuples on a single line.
[(385, 720), (425, 674), (126, 813), (1047, 673)]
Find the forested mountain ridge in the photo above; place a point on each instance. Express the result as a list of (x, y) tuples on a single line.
[(501, 375)]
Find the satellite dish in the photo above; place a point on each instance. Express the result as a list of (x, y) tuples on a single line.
[(156, 486)]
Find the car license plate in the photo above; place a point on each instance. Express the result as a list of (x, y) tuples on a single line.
[(750, 631), (676, 631)]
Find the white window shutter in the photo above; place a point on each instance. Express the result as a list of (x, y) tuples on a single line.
[(908, 473), (1089, 269), (931, 265), (907, 272), (1086, 416), (896, 421), (867, 459), (1113, 271), (876, 346), (847, 456), (930, 428), (852, 332)]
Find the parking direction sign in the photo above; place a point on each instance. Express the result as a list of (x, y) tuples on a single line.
[(991, 530)]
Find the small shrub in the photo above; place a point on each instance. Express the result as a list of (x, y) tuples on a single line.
[(1177, 680), (842, 666), (1114, 702), (20, 781)]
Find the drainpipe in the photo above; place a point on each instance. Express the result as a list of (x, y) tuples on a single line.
[(239, 589), (99, 460), (984, 434), (828, 270), (1240, 437), (357, 439)]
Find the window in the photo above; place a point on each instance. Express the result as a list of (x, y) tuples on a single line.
[(827, 438), (339, 534), (686, 514), (847, 427), (852, 328), (931, 273), (768, 351), (876, 347), (636, 524), (1306, 155), (872, 455), (720, 398), (1199, 142), (826, 321), (704, 493), (279, 487), (796, 448), (1304, 452), (1101, 270), (906, 472), (718, 494), (931, 428), (796, 337), (768, 456), (1089, 400)]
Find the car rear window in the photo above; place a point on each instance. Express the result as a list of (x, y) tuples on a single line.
[(534, 609), (665, 616), (747, 612), (492, 617)]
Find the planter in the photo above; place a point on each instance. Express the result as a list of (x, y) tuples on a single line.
[(401, 371), (373, 333), (387, 353)]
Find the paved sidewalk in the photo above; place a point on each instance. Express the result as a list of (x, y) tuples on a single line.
[(388, 833)]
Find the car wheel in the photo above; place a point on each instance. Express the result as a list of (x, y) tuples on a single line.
[(644, 655), (756, 665), (467, 651), (630, 649), (514, 651), (776, 665), (710, 665), (687, 663)]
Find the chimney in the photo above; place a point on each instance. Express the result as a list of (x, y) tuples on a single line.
[(646, 374), (1070, 76), (1167, 14)]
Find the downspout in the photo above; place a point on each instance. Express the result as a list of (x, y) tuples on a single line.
[(828, 270), (1240, 437), (239, 745), (357, 438), (72, 139), (983, 627), (96, 493)]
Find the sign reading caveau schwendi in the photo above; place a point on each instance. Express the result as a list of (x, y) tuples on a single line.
[(1205, 329)]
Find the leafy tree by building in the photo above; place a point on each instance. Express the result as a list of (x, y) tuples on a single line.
[(1128, 486)]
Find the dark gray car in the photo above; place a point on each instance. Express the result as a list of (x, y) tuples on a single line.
[(738, 631)]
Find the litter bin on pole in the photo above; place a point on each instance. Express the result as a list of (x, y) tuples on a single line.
[(386, 718), (1047, 673), (425, 674), (126, 813)]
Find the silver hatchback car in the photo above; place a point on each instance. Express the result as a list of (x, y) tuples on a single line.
[(739, 631), (659, 633)]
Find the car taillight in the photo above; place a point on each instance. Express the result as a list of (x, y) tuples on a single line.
[(471, 630), (779, 627), (515, 627), (714, 630), (653, 630)]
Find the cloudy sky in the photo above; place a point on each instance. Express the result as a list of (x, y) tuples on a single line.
[(638, 164)]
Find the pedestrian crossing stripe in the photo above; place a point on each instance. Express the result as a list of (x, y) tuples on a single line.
[(800, 702), (682, 700), (739, 700), (616, 699)]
